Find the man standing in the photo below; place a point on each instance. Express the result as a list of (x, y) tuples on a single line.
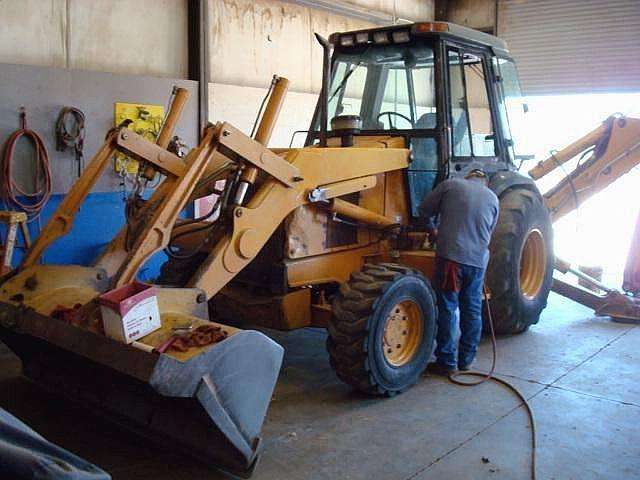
[(468, 212)]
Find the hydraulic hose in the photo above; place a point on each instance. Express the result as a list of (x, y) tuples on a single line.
[(11, 190), (70, 133), (455, 378)]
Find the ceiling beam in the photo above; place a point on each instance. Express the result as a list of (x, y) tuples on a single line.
[(343, 8)]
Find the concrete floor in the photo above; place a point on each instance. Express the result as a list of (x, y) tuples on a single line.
[(581, 375)]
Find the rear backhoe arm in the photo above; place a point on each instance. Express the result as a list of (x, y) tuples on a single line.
[(616, 150)]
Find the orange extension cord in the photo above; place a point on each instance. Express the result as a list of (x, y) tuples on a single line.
[(11, 191), (454, 378)]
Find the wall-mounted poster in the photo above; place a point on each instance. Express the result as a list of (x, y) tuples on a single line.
[(146, 120)]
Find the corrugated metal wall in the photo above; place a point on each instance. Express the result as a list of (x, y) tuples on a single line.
[(573, 46)]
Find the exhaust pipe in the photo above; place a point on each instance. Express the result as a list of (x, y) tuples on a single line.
[(324, 93)]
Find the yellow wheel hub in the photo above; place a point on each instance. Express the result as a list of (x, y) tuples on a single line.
[(403, 332), (533, 263)]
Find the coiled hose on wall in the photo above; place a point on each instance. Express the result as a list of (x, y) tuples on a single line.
[(15, 196)]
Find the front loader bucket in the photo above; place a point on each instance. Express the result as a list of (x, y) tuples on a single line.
[(210, 405)]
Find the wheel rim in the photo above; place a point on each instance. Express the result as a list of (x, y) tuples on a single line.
[(402, 333), (533, 264)]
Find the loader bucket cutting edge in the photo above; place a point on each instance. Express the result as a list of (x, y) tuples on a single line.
[(211, 406)]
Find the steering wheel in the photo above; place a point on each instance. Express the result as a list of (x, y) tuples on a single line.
[(390, 114)]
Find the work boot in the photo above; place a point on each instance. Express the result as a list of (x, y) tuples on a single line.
[(440, 369), (464, 368)]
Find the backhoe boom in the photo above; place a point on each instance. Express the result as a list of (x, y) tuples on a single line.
[(615, 150)]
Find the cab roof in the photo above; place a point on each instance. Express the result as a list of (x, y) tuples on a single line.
[(404, 33)]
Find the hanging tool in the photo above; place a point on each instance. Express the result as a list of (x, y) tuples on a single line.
[(12, 221), (12, 193), (70, 133)]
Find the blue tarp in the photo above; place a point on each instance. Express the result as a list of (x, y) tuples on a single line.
[(24, 454)]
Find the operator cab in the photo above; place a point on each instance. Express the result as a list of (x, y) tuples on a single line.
[(450, 91)]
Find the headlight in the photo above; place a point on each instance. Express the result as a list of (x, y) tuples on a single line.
[(380, 37), (362, 37), (347, 40), (401, 36)]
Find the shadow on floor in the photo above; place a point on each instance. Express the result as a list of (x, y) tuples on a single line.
[(580, 374)]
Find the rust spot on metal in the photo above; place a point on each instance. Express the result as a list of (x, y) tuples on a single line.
[(31, 283), (18, 297)]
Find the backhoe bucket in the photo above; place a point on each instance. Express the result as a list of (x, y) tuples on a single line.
[(209, 403)]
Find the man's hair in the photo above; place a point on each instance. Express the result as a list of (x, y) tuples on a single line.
[(477, 173)]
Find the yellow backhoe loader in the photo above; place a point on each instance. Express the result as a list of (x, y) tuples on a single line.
[(327, 235)]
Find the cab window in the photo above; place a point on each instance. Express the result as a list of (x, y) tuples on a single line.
[(396, 110), (511, 108), (390, 87), (347, 100), (472, 129)]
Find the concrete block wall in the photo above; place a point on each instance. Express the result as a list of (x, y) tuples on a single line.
[(239, 106), (250, 40), (145, 37), (478, 14)]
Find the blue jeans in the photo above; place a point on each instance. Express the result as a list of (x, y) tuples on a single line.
[(469, 301)]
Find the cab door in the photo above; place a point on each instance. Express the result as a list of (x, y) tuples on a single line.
[(471, 112), (423, 140)]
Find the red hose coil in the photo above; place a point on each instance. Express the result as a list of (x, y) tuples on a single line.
[(11, 191)]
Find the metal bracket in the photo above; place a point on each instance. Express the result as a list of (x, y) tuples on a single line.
[(258, 155), (137, 146), (332, 190)]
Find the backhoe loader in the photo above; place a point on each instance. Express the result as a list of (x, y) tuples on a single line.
[(328, 235)]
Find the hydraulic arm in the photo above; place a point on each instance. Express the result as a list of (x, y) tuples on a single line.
[(611, 150), (227, 384)]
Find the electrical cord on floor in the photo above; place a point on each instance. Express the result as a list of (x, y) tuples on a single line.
[(455, 378)]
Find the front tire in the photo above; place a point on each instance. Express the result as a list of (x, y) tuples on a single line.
[(382, 329), (520, 270)]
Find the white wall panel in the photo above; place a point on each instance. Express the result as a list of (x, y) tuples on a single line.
[(414, 10), (239, 106), (32, 32), (143, 37), (252, 40)]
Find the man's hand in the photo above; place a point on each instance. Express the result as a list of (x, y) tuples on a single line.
[(432, 234)]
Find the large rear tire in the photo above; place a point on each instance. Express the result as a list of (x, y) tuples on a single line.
[(382, 330), (520, 269)]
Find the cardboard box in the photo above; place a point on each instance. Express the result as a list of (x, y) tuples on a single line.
[(130, 312)]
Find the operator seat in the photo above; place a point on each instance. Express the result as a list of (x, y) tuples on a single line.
[(422, 149)]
